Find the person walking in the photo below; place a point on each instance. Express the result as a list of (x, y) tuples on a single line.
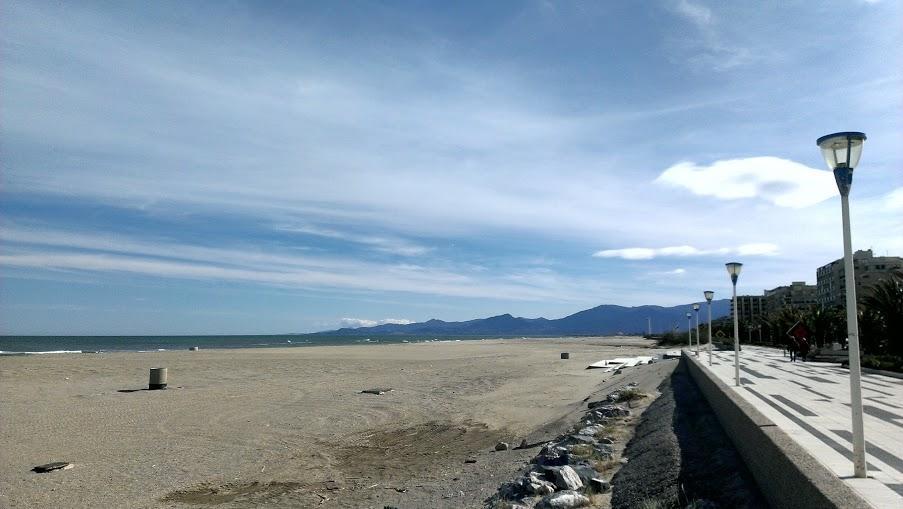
[(804, 348), (792, 346)]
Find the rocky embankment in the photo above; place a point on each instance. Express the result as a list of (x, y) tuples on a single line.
[(571, 470), (680, 456)]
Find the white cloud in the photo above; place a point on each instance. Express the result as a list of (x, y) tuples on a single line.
[(779, 181), (390, 245), (699, 14), (363, 322), (679, 272), (52, 250), (646, 253), (757, 249), (894, 199)]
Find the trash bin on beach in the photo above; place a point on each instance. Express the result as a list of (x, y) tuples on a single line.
[(157, 379)]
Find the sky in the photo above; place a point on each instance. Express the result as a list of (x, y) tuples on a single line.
[(277, 167)]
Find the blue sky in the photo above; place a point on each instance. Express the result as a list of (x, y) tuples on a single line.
[(271, 167)]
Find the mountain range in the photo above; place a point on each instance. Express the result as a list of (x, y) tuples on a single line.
[(603, 320)]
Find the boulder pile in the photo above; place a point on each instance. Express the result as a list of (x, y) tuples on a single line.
[(564, 474)]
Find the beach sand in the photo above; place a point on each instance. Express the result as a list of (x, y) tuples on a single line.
[(288, 426)]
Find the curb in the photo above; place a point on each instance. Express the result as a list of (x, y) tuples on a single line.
[(787, 475)]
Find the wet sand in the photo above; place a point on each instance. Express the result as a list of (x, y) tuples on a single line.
[(240, 428)]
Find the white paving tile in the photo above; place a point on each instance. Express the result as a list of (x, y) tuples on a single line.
[(794, 381)]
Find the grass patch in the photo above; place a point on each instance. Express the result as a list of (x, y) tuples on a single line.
[(885, 362), (588, 452), (605, 467), (631, 394), (609, 429)]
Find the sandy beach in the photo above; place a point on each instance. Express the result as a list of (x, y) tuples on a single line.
[(288, 426)]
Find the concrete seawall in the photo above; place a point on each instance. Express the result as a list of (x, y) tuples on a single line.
[(787, 475)]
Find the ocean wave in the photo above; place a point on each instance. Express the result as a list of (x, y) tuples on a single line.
[(40, 353)]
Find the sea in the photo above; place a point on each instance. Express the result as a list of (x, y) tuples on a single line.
[(37, 345)]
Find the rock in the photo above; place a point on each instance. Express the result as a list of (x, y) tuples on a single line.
[(612, 411), (50, 467), (606, 440), (590, 430), (599, 485), (470, 460), (604, 451), (523, 444), (378, 391), (563, 500), (511, 490), (567, 479), (586, 472), (502, 446), (552, 455), (534, 483), (581, 439)]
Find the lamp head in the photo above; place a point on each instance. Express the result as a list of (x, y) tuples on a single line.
[(689, 315), (708, 295), (841, 150), (733, 268), (695, 307)]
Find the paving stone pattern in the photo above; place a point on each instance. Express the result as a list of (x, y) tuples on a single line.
[(810, 401)]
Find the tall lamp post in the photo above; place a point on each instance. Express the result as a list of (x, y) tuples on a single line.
[(841, 151), (696, 309), (689, 330), (708, 297), (733, 268)]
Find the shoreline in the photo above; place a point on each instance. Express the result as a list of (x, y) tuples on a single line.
[(326, 341)]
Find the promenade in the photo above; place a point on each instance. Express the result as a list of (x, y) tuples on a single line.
[(810, 401)]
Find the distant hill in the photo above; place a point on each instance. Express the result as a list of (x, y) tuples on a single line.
[(604, 319)]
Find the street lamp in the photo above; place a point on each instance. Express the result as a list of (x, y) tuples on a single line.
[(696, 308), (689, 330), (733, 268), (841, 151), (708, 297)]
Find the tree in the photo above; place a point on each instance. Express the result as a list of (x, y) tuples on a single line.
[(882, 313), (826, 324)]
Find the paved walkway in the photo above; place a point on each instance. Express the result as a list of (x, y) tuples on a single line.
[(810, 401)]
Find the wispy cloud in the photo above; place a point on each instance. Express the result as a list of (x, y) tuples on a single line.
[(363, 322), (699, 14), (384, 244), (646, 253), (779, 181), (54, 250), (708, 48)]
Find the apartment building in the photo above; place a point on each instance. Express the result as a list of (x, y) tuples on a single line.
[(749, 308), (869, 269), (797, 295)]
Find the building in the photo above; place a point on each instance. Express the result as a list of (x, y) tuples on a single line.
[(869, 269), (749, 308), (798, 295)]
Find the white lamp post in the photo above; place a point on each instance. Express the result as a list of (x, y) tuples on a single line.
[(696, 309), (689, 330), (708, 297), (841, 151), (733, 268)]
